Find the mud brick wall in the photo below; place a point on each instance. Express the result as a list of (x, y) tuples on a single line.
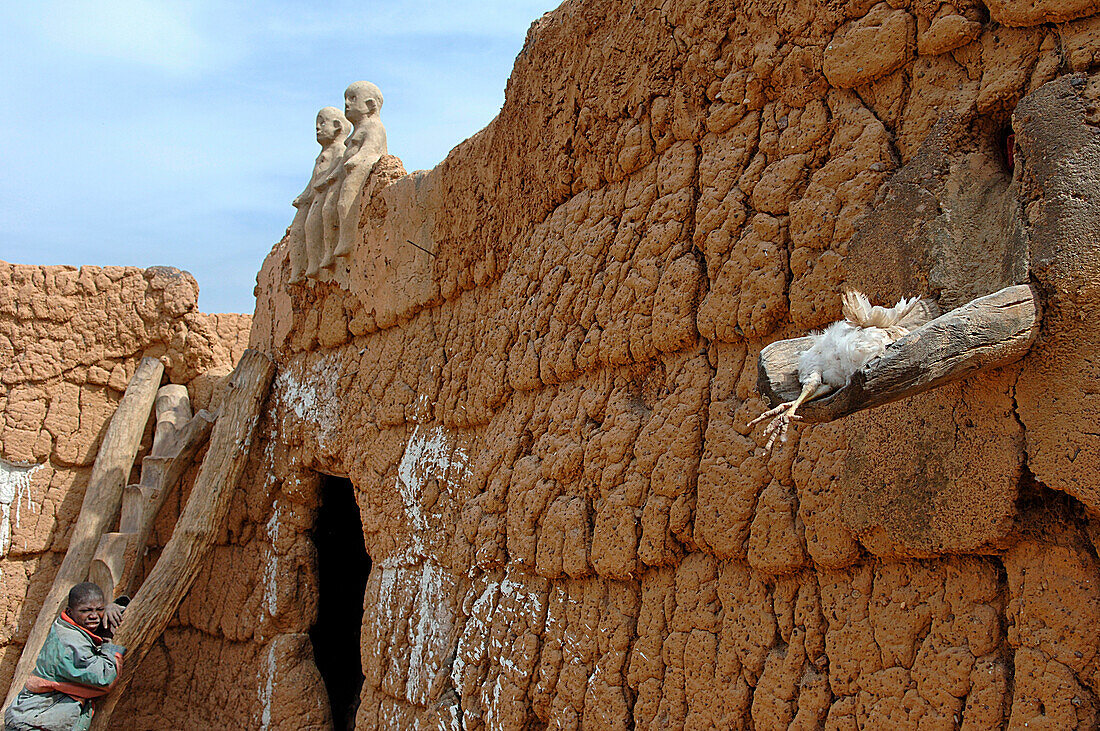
[(545, 420), (546, 423)]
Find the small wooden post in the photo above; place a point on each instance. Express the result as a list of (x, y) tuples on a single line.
[(197, 528), (102, 500), (173, 408)]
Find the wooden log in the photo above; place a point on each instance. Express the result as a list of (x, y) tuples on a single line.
[(117, 560), (988, 332), (197, 528), (102, 499), (173, 407), (110, 559), (189, 441)]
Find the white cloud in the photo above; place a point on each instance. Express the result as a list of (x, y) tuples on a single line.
[(155, 33)]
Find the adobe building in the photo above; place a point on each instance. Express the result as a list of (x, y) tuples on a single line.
[(504, 477)]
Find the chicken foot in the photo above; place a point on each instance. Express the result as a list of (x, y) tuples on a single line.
[(784, 413)]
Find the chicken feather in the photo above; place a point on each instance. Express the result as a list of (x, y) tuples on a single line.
[(844, 347)]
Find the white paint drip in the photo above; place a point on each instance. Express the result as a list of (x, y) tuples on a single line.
[(15, 483), (273, 523), (269, 461), (480, 649), (267, 689), (271, 593), (429, 637), (312, 396), (452, 722), (428, 454), (473, 633), (429, 620)]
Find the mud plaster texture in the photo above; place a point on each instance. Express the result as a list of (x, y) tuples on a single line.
[(544, 419), (70, 339), (545, 422)]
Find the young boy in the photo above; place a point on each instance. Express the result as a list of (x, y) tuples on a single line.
[(74, 666)]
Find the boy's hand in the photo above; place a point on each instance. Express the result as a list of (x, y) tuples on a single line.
[(112, 616)]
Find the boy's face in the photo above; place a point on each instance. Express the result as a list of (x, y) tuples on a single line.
[(88, 613)]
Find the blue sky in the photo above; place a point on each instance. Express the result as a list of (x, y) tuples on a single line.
[(155, 132)]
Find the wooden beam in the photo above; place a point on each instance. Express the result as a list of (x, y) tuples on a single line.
[(173, 407), (102, 499), (197, 528), (988, 332), (111, 555)]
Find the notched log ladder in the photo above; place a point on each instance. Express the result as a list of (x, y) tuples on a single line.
[(987, 332), (177, 440), (197, 528), (113, 560), (102, 499)]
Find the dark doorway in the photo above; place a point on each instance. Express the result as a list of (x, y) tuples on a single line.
[(342, 569)]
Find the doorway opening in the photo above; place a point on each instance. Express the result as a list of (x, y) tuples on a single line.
[(342, 570)]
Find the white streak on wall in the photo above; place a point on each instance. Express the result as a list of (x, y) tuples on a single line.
[(311, 396), (428, 454), (271, 593), (267, 688), (415, 604), (483, 662), (452, 721), (429, 636), (15, 483), (471, 647), (269, 462)]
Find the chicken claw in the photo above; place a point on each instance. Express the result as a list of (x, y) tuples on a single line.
[(784, 414)]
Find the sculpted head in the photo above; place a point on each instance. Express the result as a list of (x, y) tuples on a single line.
[(331, 125), (361, 100)]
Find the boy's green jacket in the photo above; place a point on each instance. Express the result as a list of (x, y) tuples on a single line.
[(73, 667)]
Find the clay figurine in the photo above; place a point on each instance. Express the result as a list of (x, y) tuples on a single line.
[(367, 143), (305, 253)]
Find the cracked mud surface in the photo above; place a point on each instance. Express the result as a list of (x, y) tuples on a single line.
[(545, 424)]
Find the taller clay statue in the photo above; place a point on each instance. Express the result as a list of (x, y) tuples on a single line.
[(328, 226), (305, 244)]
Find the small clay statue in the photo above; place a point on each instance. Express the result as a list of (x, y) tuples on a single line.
[(305, 255), (367, 143)]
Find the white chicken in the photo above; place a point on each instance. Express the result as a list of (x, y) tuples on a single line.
[(843, 348)]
